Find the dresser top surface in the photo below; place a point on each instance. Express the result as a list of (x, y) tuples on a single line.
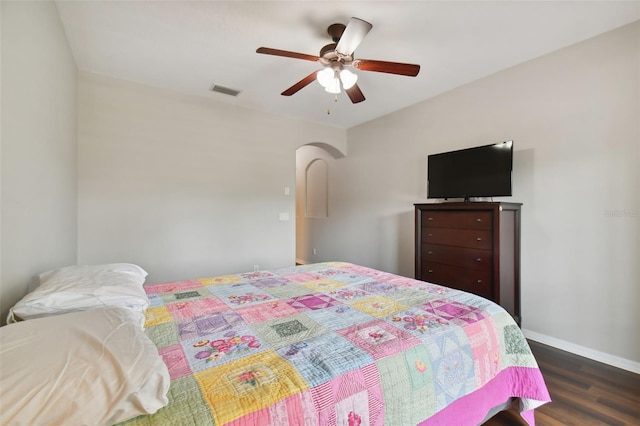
[(472, 205)]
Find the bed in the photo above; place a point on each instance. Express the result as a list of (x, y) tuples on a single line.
[(322, 344), (335, 344)]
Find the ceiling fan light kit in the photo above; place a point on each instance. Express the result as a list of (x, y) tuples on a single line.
[(332, 79), (338, 55)]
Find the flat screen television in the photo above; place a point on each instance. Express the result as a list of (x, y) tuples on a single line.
[(482, 171)]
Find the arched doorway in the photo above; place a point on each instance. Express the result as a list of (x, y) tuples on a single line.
[(313, 167)]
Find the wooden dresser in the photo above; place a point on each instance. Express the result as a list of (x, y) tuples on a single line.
[(472, 246)]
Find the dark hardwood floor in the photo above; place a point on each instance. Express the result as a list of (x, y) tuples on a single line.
[(583, 392)]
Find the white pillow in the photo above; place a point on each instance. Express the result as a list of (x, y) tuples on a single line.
[(78, 288), (84, 368)]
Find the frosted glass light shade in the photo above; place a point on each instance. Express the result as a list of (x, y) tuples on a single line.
[(325, 76), (348, 79), (333, 86)]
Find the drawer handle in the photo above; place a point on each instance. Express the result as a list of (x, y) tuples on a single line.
[(479, 281), (429, 235), (478, 239), (430, 270), (429, 218), (478, 220), (429, 252), (479, 259)]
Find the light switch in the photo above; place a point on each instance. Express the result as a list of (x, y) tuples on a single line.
[(284, 217), (287, 191)]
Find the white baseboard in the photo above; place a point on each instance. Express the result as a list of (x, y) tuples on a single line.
[(616, 361)]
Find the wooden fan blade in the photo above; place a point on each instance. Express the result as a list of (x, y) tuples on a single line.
[(352, 36), (355, 94), (299, 85), (410, 70), (286, 54)]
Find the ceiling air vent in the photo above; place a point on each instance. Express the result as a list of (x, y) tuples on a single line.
[(225, 90)]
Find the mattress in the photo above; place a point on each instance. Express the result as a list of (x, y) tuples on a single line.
[(335, 344)]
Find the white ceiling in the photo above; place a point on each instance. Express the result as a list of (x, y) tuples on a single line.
[(188, 46)]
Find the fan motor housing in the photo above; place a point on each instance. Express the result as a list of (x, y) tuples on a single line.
[(328, 49), (329, 56)]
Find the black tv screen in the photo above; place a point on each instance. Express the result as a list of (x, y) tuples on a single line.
[(483, 171)]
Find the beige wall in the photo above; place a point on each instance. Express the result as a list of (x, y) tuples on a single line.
[(186, 187), (574, 117), (38, 212)]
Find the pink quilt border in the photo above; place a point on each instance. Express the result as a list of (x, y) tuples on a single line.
[(521, 382)]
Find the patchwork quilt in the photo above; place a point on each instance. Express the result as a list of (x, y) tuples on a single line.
[(335, 344)]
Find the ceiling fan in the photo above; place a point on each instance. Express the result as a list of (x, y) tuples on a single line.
[(337, 56)]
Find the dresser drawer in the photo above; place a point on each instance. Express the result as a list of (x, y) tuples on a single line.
[(476, 281), (460, 219), (469, 238), (458, 256)]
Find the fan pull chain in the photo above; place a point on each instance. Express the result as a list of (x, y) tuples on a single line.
[(335, 99)]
